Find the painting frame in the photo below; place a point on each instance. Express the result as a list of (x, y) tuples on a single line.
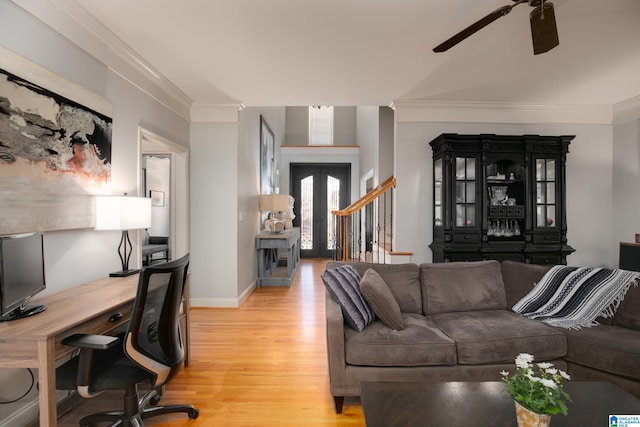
[(267, 158), (56, 149), (157, 198)]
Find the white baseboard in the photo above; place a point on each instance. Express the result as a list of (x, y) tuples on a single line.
[(22, 416), (222, 302)]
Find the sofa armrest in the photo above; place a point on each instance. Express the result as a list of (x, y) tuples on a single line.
[(335, 345)]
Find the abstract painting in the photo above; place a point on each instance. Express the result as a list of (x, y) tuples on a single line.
[(55, 151)]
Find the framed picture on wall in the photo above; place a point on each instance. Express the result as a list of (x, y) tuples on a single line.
[(56, 149), (267, 158), (157, 198)]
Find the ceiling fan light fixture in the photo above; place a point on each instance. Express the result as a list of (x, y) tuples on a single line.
[(544, 32)]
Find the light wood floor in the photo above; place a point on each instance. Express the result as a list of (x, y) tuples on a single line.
[(263, 364)]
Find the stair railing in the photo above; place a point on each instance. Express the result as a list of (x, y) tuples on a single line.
[(364, 230)]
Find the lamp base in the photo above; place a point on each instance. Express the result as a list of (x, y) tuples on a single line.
[(123, 273), (274, 225)]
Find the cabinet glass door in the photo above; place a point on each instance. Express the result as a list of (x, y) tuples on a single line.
[(546, 193), (437, 192), (465, 192)]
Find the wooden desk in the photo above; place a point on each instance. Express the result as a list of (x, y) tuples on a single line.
[(91, 308), (269, 245)]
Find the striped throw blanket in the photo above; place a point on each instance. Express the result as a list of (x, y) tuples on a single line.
[(573, 297)]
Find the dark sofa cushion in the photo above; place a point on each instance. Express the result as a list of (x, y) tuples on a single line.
[(462, 286), (343, 283), (498, 336), (607, 348), (403, 281), (420, 343), (628, 313), (519, 278), (377, 293)]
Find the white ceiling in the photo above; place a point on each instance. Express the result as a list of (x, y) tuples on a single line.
[(377, 52)]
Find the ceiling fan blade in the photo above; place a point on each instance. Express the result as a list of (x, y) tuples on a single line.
[(544, 32), (475, 27)]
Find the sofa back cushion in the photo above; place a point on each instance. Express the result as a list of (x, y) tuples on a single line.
[(462, 286), (519, 278), (403, 281), (628, 313)]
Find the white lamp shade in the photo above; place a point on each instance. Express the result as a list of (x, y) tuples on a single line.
[(274, 202), (122, 213)]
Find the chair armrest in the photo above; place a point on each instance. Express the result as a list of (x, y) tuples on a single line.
[(93, 342), (158, 240), (88, 345)]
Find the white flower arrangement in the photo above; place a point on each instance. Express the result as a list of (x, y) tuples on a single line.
[(537, 387)]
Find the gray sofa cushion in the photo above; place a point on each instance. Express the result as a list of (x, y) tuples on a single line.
[(462, 286), (343, 283), (498, 336), (519, 278), (381, 300), (419, 343), (607, 348), (627, 313), (403, 281)]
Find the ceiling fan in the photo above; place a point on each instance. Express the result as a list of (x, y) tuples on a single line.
[(544, 32)]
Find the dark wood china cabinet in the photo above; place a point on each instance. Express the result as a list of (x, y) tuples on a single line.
[(500, 197)]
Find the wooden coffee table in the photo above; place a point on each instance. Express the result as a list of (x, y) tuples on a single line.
[(483, 404)]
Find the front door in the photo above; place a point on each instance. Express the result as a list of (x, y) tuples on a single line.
[(318, 189)]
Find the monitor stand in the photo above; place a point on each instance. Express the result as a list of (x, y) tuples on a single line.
[(23, 311)]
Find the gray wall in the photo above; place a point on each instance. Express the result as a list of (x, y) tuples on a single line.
[(386, 148), (77, 256), (626, 182), (368, 138)]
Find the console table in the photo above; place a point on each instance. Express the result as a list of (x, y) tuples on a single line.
[(269, 247), (98, 307)]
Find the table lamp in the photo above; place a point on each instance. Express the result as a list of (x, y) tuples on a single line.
[(123, 213), (275, 204)]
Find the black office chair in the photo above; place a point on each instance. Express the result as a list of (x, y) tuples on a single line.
[(148, 352)]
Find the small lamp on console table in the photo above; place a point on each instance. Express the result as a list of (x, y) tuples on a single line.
[(275, 204), (123, 213)]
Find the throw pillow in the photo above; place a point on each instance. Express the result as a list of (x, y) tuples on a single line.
[(343, 283), (377, 293)]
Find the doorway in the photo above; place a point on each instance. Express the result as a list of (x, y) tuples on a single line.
[(170, 210), (318, 189)]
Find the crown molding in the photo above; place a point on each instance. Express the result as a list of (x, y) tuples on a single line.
[(72, 21), (500, 112), (224, 112), (626, 111)]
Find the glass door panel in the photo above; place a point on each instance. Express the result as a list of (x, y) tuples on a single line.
[(306, 213), (437, 192), (465, 191), (545, 193), (333, 204)]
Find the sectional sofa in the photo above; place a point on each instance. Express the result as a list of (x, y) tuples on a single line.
[(453, 322)]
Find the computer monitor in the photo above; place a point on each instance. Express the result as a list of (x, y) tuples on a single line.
[(21, 274)]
